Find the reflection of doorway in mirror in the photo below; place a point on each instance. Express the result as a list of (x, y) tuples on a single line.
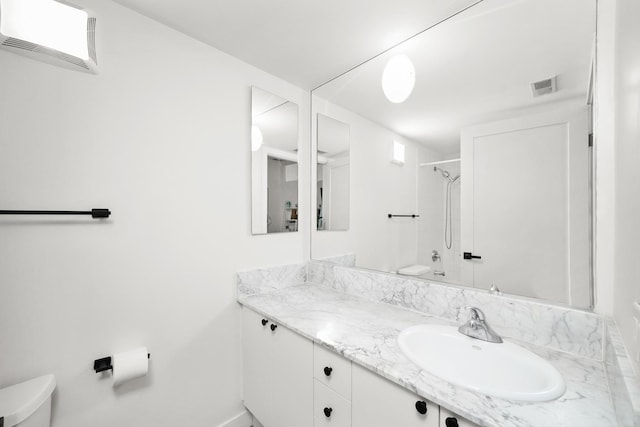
[(282, 204), (319, 198)]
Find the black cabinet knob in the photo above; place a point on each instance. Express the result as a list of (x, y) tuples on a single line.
[(327, 371), (421, 406), (273, 326), (264, 322), (327, 412), (451, 422)]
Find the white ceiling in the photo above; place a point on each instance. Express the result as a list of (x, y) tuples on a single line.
[(304, 42), (477, 68)]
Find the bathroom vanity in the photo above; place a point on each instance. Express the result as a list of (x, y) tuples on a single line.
[(314, 355), (291, 381)]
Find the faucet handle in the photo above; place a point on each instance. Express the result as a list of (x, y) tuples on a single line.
[(474, 313)]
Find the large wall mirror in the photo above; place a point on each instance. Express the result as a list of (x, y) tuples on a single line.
[(274, 163), (473, 165)]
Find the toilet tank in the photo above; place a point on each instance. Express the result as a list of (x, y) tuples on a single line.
[(27, 404)]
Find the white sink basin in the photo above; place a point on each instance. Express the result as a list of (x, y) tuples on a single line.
[(502, 370)]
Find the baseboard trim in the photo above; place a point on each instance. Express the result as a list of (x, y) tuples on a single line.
[(243, 419)]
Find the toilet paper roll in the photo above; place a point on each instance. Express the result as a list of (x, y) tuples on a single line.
[(129, 365)]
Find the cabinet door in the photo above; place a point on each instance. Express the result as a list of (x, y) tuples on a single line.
[(377, 402), (292, 381), (277, 373), (257, 356)]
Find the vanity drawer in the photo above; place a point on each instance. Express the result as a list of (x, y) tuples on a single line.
[(327, 401), (332, 370)]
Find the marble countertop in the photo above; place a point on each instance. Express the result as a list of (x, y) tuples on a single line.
[(366, 333)]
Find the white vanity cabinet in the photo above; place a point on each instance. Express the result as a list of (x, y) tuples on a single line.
[(377, 402), (288, 381), (277, 376)]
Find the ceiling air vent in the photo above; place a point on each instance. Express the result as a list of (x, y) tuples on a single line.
[(544, 87)]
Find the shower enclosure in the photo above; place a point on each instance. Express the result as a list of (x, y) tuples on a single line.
[(439, 226)]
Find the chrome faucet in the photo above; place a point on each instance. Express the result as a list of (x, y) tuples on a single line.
[(477, 327)]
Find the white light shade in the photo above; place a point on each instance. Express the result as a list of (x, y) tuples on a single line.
[(50, 31), (398, 153), (256, 138), (47, 23), (398, 78)]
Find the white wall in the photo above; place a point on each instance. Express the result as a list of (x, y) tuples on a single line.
[(604, 133), (378, 187), (627, 177), (161, 137)]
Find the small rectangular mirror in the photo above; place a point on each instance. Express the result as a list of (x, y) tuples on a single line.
[(333, 180), (274, 163)]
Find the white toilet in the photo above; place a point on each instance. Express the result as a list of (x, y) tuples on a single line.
[(27, 404), (414, 270)]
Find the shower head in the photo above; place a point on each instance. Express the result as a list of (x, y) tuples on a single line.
[(446, 174), (442, 171)]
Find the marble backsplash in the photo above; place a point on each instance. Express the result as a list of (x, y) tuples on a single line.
[(624, 385), (270, 279), (347, 260), (559, 328)]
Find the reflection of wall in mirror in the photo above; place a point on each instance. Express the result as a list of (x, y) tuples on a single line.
[(333, 172), (378, 187)]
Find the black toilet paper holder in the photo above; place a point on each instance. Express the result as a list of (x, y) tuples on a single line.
[(105, 364)]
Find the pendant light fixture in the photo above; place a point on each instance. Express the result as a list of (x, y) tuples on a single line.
[(398, 78)]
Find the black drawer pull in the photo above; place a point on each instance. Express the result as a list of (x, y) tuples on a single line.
[(328, 370), (421, 406), (273, 326), (451, 422), (264, 322), (327, 412)]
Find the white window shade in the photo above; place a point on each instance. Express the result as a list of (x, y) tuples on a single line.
[(49, 30)]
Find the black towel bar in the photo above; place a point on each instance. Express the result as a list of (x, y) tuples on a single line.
[(95, 213)]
